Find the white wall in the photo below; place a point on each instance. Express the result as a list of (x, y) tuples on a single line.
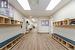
[(51, 26), (7, 32), (66, 12), (43, 29), (15, 13)]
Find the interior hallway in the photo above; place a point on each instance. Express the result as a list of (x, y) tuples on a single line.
[(35, 41)]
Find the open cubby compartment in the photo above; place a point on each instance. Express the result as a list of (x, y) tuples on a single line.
[(7, 21), (1, 20), (12, 21), (56, 23), (17, 39), (53, 36), (70, 46), (56, 37), (9, 46), (15, 21), (66, 22), (18, 22), (60, 39), (21, 22), (14, 42), (64, 42), (61, 23), (72, 21)]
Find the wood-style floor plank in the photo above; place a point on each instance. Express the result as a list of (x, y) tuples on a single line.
[(35, 41)]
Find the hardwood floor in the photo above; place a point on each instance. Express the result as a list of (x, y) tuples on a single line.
[(35, 41)]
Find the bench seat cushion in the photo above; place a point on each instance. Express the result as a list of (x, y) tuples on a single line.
[(9, 40), (66, 39)]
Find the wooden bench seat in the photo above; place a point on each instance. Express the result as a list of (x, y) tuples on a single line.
[(68, 43), (7, 43), (66, 39)]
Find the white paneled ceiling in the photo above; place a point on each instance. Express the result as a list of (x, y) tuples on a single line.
[(39, 4), (38, 7)]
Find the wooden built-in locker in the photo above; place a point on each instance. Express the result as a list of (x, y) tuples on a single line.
[(9, 43)]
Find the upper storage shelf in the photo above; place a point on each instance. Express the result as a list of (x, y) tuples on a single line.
[(7, 21), (65, 22), (1, 20)]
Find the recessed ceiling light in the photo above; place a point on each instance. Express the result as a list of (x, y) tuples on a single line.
[(53, 4), (24, 4)]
